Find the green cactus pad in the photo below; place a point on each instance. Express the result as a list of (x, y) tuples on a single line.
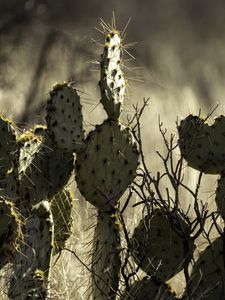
[(61, 207), (107, 165), (112, 83), (208, 275), (8, 146), (157, 248), (10, 230), (106, 258), (202, 145), (149, 289), (30, 278), (43, 170), (64, 118)]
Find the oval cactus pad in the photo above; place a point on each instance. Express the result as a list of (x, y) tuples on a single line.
[(107, 165), (157, 247), (64, 118), (202, 145)]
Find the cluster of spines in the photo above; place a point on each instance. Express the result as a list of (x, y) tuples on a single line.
[(112, 82)]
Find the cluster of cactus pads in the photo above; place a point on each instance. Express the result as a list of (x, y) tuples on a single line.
[(35, 167), (201, 145), (36, 206)]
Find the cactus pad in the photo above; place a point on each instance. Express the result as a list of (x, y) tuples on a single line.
[(61, 208), (30, 276), (8, 146), (64, 118), (208, 275), (202, 145), (43, 170), (106, 257), (149, 289), (157, 248), (112, 83), (107, 165)]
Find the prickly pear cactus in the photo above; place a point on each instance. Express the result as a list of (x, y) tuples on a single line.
[(149, 289), (42, 169), (7, 146), (106, 257), (202, 145), (157, 247), (208, 275), (112, 83), (31, 270), (10, 230), (64, 118), (61, 208), (107, 165)]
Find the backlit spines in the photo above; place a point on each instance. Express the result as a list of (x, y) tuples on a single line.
[(112, 82)]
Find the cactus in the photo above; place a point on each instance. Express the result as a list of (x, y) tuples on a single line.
[(43, 169), (61, 208), (64, 118), (30, 278), (107, 165), (106, 259), (202, 145), (112, 83), (148, 289), (36, 166), (208, 276), (157, 248)]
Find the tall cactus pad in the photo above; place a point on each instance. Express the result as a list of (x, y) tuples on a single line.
[(208, 275), (7, 146), (30, 278), (43, 170), (64, 118), (112, 83), (149, 289), (10, 230), (106, 257), (61, 208), (202, 145), (220, 195), (107, 165), (158, 248)]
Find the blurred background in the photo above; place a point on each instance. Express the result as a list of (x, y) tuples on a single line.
[(175, 55), (178, 53)]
